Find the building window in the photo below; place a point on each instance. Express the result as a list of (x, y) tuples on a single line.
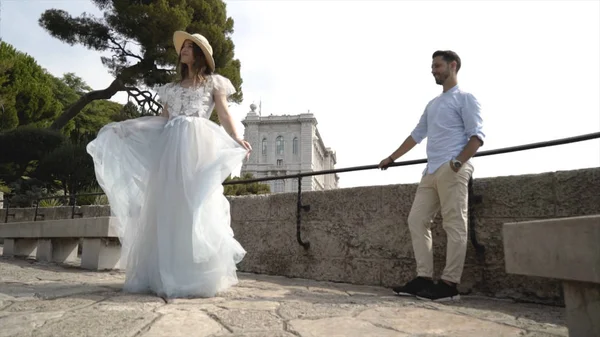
[(295, 145), (264, 147), (279, 186), (279, 145), (279, 162)]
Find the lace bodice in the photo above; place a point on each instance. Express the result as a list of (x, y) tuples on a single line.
[(199, 101)]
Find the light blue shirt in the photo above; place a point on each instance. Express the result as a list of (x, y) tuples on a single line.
[(448, 122)]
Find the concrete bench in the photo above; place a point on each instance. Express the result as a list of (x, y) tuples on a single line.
[(566, 249), (58, 241)]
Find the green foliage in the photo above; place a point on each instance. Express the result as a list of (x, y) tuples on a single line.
[(25, 191), (25, 91), (30, 96), (92, 199), (27, 143), (63, 166), (4, 188), (8, 119), (27, 94), (51, 202), (148, 26), (65, 94), (85, 126), (22, 146), (76, 83), (69, 166), (128, 111), (245, 189)]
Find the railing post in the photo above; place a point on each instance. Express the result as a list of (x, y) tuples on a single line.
[(6, 215), (73, 203), (37, 206), (299, 210), (80, 214)]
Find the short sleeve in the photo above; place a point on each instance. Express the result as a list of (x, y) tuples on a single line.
[(161, 91), (222, 86)]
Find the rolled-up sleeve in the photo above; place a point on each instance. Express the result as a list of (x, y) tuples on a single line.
[(471, 116), (420, 131)]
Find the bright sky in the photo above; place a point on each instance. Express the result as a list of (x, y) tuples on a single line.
[(363, 69)]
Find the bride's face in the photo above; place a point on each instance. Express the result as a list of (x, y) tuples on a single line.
[(187, 52)]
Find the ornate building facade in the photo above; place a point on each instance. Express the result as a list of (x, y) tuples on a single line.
[(288, 144)]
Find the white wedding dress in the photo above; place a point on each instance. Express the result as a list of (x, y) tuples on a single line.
[(163, 182)]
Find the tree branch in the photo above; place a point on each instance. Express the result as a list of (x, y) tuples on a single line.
[(73, 110), (123, 50), (146, 101), (86, 30)]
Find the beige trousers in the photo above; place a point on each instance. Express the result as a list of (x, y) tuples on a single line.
[(447, 191)]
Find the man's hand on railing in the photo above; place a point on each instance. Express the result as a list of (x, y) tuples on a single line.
[(384, 164)]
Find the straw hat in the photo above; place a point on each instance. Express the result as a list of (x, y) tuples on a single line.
[(180, 36)]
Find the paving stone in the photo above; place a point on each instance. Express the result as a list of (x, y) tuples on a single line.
[(340, 326), (427, 321), (24, 323), (49, 300), (97, 323), (184, 322)]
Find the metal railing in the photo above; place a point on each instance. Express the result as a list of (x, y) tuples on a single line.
[(300, 207), (473, 199), (72, 204)]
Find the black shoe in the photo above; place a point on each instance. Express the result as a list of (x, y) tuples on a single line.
[(439, 292), (413, 287)]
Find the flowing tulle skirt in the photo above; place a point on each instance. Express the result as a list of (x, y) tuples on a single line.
[(163, 182)]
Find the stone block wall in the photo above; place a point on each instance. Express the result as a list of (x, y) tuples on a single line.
[(360, 235)]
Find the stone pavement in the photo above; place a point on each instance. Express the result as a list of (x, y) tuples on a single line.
[(39, 299)]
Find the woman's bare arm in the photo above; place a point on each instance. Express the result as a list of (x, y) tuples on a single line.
[(227, 121), (164, 112)]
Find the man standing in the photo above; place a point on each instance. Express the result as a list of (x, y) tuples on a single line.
[(452, 124)]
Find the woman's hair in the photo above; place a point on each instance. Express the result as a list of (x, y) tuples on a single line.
[(199, 69)]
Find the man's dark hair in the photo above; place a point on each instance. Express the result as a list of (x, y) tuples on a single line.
[(448, 56)]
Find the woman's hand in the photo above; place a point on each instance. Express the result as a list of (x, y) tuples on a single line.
[(227, 122), (246, 146)]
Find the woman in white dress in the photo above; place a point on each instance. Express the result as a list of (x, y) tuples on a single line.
[(163, 178)]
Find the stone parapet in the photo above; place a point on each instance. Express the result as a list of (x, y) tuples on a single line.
[(359, 235)]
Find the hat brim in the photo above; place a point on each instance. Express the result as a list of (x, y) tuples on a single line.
[(179, 38)]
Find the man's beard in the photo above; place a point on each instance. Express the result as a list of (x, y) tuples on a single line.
[(441, 78)]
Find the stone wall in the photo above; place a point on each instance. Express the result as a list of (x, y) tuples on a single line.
[(360, 235)]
